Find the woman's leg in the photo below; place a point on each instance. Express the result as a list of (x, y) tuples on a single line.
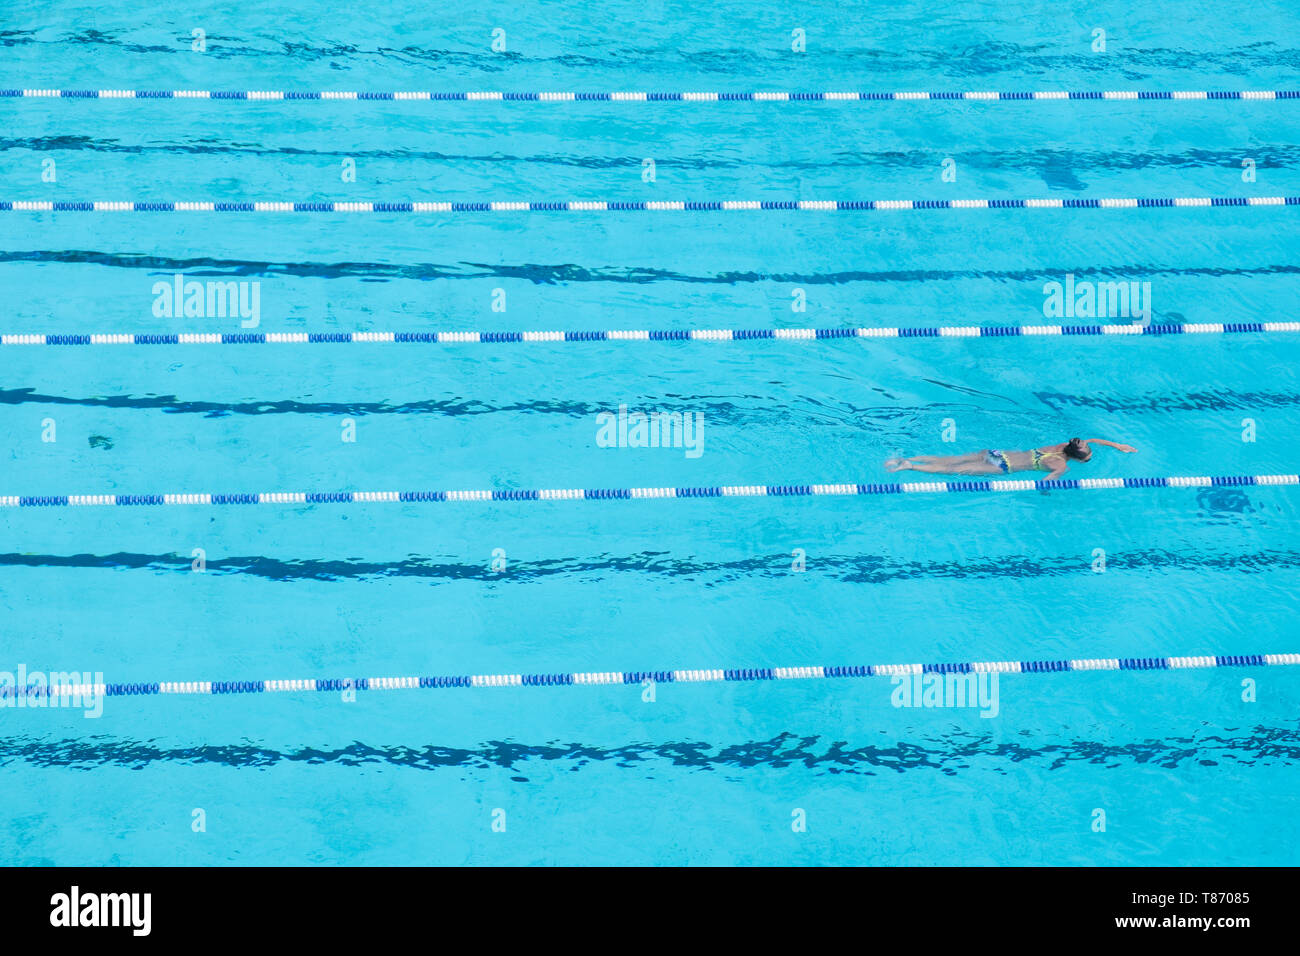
[(956, 465), (977, 461)]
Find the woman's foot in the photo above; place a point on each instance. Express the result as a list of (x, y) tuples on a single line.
[(897, 464)]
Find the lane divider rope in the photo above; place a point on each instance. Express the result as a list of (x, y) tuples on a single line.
[(644, 97), (807, 205), (642, 335), (713, 675), (608, 494)]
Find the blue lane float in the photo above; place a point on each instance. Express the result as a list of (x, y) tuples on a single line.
[(758, 96), (628, 494), (49, 693), (727, 205), (646, 335)]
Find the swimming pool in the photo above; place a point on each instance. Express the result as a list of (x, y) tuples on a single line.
[(1183, 770)]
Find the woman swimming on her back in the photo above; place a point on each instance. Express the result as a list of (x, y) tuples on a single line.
[(1053, 459)]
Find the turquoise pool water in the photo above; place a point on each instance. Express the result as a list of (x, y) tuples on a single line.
[(1185, 770)]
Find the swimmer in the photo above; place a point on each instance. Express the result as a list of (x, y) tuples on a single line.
[(1053, 459)]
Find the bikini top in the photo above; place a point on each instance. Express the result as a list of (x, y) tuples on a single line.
[(1038, 457)]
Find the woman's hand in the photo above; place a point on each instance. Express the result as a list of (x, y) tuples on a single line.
[(1127, 449)]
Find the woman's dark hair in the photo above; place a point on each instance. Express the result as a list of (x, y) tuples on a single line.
[(1074, 449)]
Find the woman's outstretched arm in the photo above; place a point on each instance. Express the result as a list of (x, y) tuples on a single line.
[(1110, 444)]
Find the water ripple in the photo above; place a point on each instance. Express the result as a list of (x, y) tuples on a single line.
[(554, 273), (854, 568), (1056, 166), (729, 411), (718, 410), (985, 59), (1217, 399), (949, 754)]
